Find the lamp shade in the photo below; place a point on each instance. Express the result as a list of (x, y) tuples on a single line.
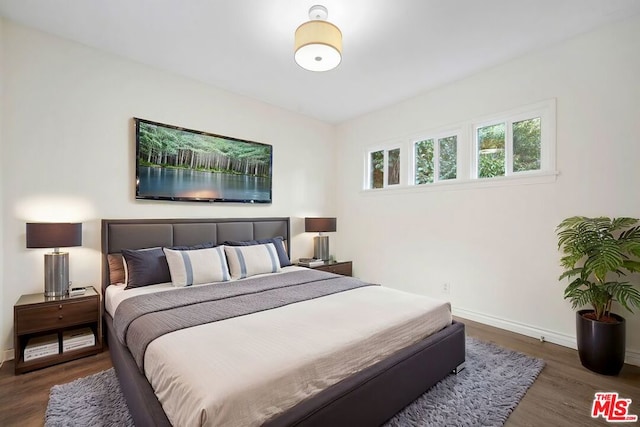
[(319, 225), (318, 43), (53, 234)]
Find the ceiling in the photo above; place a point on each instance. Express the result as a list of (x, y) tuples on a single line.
[(392, 49)]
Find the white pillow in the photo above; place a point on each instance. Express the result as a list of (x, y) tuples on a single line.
[(197, 266), (245, 261)]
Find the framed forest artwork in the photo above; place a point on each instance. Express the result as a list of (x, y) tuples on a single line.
[(174, 163)]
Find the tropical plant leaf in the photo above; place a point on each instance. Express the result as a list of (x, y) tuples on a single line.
[(605, 257), (631, 240), (631, 265), (622, 222), (626, 295), (571, 222), (632, 233), (570, 273), (578, 297)]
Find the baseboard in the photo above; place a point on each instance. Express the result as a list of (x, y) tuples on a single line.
[(631, 357), (7, 355)]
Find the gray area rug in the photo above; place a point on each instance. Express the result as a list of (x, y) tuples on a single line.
[(484, 394)]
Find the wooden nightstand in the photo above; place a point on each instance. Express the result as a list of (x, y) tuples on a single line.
[(337, 267), (35, 315)]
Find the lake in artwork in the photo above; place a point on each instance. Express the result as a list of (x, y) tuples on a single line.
[(192, 184)]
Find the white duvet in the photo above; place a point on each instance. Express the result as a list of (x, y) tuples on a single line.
[(244, 370)]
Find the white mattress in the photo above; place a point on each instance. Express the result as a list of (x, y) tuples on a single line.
[(242, 371)]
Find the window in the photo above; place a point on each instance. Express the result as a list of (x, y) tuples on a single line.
[(515, 144), (491, 150), (435, 159), (425, 170), (448, 158), (394, 167), (376, 166), (508, 148), (381, 161), (526, 145)]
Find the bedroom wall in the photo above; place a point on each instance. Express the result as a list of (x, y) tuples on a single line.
[(2, 179), (496, 247), (68, 151)]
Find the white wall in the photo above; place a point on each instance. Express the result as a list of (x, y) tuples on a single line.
[(496, 247), (2, 356), (68, 151)]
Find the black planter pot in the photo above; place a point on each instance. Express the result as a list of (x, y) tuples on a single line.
[(601, 345)]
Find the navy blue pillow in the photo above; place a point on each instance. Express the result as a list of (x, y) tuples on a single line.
[(278, 242), (146, 267), (194, 247)]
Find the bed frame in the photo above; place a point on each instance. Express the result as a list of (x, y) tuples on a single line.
[(368, 398)]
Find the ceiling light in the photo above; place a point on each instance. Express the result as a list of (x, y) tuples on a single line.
[(318, 43)]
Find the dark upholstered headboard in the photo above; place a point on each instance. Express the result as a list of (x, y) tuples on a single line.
[(118, 234)]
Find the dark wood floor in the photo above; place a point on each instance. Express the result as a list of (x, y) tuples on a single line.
[(563, 393), (561, 396)]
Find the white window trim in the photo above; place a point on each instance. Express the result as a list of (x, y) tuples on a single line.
[(385, 149), (466, 176), (386, 167), (546, 110), (436, 137), (456, 185)]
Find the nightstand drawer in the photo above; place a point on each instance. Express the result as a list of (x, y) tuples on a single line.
[(55, 315), (343, 268)]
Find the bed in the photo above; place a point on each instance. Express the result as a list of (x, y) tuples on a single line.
[(369, 395)]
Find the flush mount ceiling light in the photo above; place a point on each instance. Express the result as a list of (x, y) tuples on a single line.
[(318, 43)]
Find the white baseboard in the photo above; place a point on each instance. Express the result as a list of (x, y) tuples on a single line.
[(7, 355), (631, 357)]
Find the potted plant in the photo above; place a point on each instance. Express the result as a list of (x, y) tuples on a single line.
[(597, 254)]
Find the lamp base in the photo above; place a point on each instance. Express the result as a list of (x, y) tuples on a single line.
[(321, 247), (56, 274)]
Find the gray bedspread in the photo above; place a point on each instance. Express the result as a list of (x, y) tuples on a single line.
[(143, 318)]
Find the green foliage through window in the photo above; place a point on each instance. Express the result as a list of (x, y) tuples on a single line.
[(424, 162), (491, 143), (526, 145), (428, 155), (377, 169), (394, 166), (510, 144), (526, 148), (448, 157)]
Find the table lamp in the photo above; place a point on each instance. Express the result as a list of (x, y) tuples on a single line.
[(55, 235), (320, 242)]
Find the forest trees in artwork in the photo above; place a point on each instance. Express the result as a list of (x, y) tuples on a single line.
[(175, 148)]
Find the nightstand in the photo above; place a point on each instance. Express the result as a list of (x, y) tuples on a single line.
[(337, 267), (36, 316)]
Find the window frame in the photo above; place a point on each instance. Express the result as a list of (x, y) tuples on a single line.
[(546, 112), (467, 153), (385, 166), (436, 137)]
